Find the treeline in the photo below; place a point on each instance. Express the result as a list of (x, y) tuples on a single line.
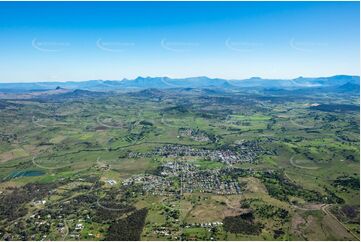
[(11, 204), (243, 224), (264, 211), (336, 107), (348, 182), (281, 188), (129, 228), (270, 211)]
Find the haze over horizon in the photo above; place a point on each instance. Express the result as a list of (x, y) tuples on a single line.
[(186, 77), (78, 41)]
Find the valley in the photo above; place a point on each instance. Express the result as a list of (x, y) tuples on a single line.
[(180, 163)]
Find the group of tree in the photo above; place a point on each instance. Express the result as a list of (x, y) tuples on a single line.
[(129, 228)]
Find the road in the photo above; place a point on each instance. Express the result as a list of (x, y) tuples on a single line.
[(302, 167), (325, 210), (67, 229)]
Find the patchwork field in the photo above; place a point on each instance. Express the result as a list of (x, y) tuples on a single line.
[(179, 164)]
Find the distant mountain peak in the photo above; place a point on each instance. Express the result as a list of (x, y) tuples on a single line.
[(342, 82), (349, 87)]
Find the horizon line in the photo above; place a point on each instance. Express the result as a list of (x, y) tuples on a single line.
[(226, 79)]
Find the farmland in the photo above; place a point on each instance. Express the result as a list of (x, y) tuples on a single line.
[(190, 164)]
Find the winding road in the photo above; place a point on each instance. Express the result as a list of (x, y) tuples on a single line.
[(292, 162)]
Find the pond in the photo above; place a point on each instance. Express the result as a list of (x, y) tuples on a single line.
[(16, 174)]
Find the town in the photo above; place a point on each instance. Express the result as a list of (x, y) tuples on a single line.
[(247, 152), (181, 177)]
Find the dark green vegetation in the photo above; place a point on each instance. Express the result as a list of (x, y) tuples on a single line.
[(180, 163), (242, 223), (280, 187), (350, 182), (337, 108), (129, 228)]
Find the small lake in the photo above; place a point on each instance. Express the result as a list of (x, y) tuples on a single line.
[(16, 174)]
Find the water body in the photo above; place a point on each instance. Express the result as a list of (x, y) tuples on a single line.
[(16, 174)]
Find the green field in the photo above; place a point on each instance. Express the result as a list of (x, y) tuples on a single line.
[(177, 164)]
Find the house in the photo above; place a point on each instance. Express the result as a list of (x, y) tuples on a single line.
[(111, 182)]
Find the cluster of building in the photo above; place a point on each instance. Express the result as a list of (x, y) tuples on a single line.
[(248, 150), (183, 177), (204, 225), (194, 134), (226, 156), (49, 220), (163, 231), (8, 138), (155, 185), (210, 181)]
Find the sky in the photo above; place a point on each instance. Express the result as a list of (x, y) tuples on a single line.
[(78, 41)]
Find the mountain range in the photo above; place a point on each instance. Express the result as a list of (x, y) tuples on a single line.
[(344, 83)]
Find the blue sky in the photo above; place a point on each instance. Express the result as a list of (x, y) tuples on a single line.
[(74, 41)]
